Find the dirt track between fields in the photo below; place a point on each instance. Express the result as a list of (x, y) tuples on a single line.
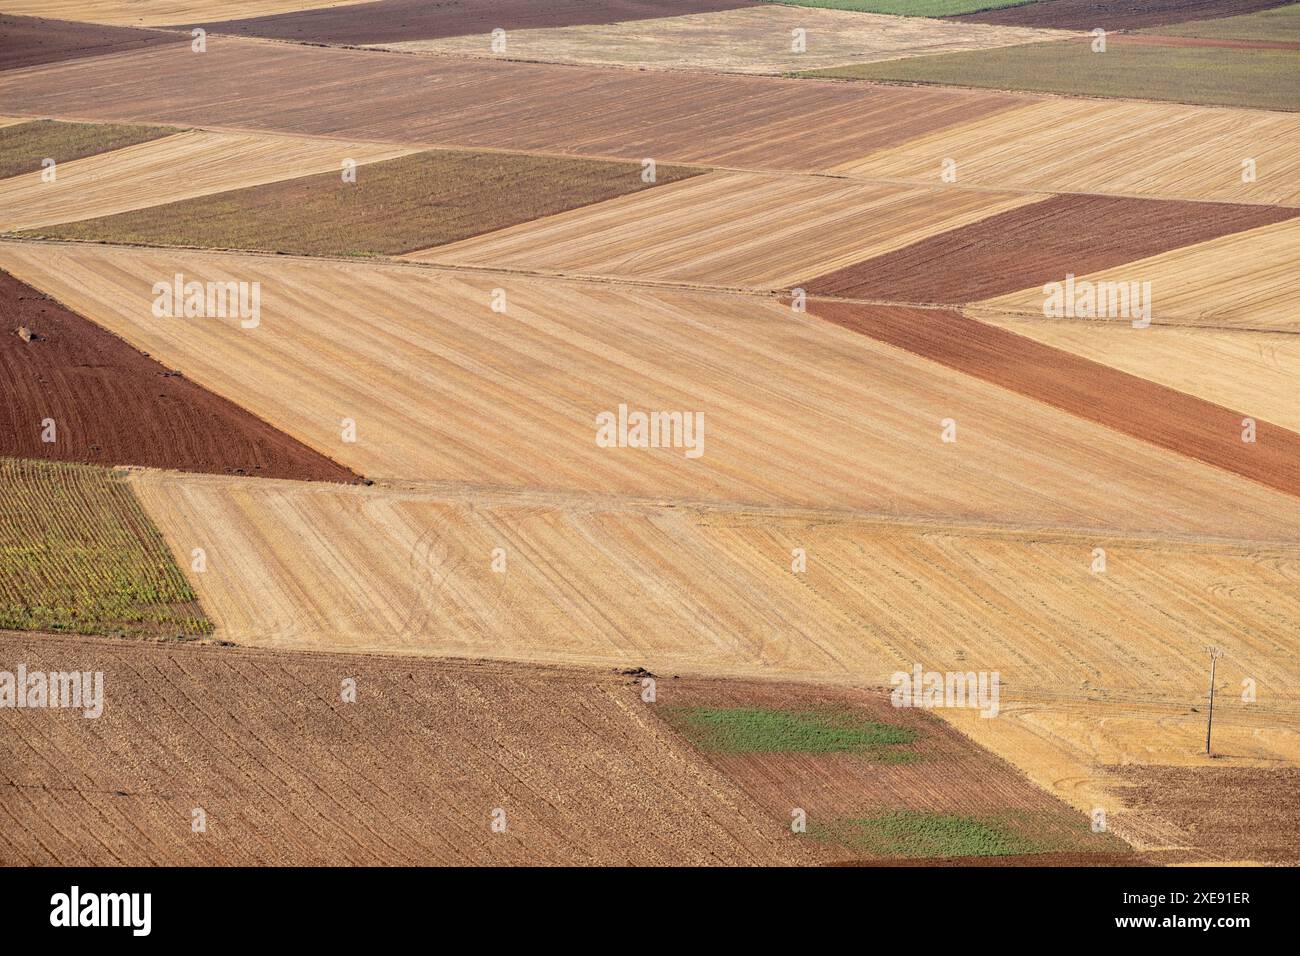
[(1039, 243), (113, 405), (1098, 393), (1115, 14), (29, 41), (392, 21)]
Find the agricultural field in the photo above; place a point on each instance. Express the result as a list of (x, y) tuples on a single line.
[(25, 144), (1182, 73), (652, 433), (730, 229), (1188, 152), (754, 39), (180, 166), (392, 206), (78, 555)]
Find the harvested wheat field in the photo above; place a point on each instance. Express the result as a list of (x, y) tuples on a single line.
[(748, 122), (579, 769), (153, 13), (395, 21), (1243, 281), (690, 588), (440, 387), (753, 39), (77, 554), (26, 144), (389, 207), (1036, 244), (1254, 372), (1127, 149), (1114, 14), (192, 163), (28, 41), (112, 405), (730, 229), (1171, 419)]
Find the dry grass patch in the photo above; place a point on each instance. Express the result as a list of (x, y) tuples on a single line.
[(394, 206), (25, 144)]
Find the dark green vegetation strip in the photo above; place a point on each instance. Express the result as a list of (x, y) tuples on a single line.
[(78, 554), (767, 730), (1211, 76), (918, 834), (400, 205), (908, 8), (24, 146), (1281, 24)]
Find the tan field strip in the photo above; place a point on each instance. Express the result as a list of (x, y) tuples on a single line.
[(750, 40), (1096, 668), (154, 13), (189, 164), (730, 229), (12, 121), (1243, 281), (442, 388), (1140, 149), (1253, 372)]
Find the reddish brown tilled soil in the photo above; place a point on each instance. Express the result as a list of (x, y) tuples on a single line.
[(748, 121), (1133, 406), (1116, 14), (1038, 243), (391, 21), (28, 41), (1227, 813), (113, 405)]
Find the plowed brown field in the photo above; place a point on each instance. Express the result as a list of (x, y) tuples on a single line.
[(751, 122), (390, 21), (1169, 419), (411, 773), (1039, 243), (1115, 14), (27, 41), (113, 405)]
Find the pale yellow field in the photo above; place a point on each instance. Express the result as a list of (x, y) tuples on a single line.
[(1254, 373), (797, 411), (12, 121), (730, 229), (751, 40), (1242, 281), (138, 13), (192, 163), (1096, 669), (1139, 149)]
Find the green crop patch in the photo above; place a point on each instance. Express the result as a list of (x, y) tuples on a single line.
[(78, 554), (1208, 76), (908, 8), (907, 833), (25, 146), (399, 205), (765, 730), (1279, 25)]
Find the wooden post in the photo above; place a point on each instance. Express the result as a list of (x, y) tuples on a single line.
[(1209, 725)]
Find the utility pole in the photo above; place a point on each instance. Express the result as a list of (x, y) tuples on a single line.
[(1209, 725)]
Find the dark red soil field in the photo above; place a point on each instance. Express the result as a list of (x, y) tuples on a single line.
[(28, 41), (1226, 813), (1116, 14), (1038, 243), (391, 21), (1098, 393), (113, 405), (755, 122)]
